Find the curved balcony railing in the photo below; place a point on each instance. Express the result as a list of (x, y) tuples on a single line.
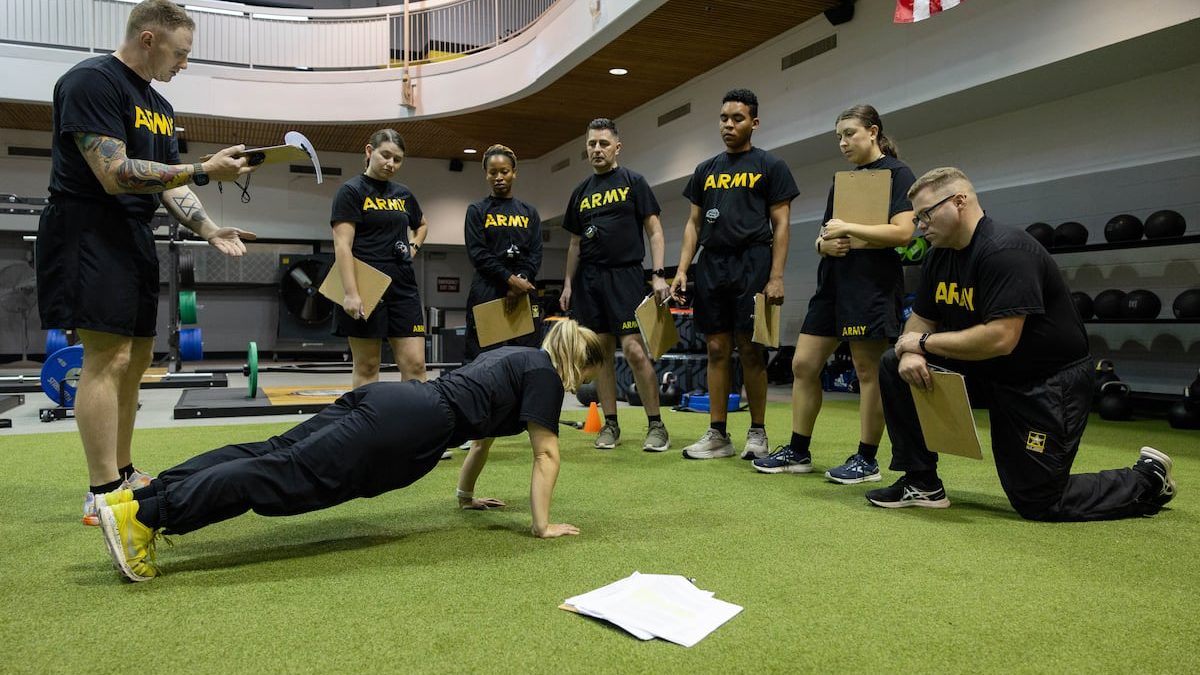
[(233, 34)]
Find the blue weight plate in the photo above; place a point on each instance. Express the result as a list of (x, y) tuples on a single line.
[(60, 375)]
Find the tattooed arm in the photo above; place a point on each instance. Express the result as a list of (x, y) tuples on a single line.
[(182, 203), (120, 174)]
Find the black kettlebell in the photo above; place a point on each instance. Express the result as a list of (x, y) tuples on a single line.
[(1106, 372), (632, 397), (586, 394), (669, 394), (1115, 403), (1184, 416)]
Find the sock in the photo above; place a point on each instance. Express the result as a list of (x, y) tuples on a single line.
[(757, 425), (653, 418), (148, 513), (924, 479), (800, 444), (126, 472), (611, 419), (107, 487), (719, 426), (868, 451)]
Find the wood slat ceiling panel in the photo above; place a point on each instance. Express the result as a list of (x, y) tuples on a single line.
[(675, 43)]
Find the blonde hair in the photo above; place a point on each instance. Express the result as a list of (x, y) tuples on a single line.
[(936, 179), (156, 14), (572, 349)]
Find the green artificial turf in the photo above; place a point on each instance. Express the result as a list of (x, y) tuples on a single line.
[(408, 583)]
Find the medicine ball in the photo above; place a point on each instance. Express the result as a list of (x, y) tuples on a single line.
[(1165, 223), (1183, 416), (1070, 233), (586, 394), (1141, 304), (1115, 403), (1187, 304), (1043, 233), (1109, 304), (1083, 304), (1123, 228)]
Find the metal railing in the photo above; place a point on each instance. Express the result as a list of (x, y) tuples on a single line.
[(238, 35)]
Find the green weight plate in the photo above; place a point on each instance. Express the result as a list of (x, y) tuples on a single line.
[(252, 364), (187, 307)]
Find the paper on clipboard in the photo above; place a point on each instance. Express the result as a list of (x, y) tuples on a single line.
[(945, 415), (657, 326), (494, 325), (862, 197), (766, 322), (296, 147), (371, 285)]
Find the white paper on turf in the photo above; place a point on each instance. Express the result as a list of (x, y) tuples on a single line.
[(657, 605)]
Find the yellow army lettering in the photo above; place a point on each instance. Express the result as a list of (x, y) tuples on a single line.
[(951, 294), (501, 220), (601, 198), (854, 331), (381, 204), (155, 123), (418, 328), (629, 324), (726, 181)]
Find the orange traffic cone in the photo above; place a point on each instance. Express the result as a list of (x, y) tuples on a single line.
[(592, 425)]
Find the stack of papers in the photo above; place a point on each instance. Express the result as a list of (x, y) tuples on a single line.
[(666, 606)]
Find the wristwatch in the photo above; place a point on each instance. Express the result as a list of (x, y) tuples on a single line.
[(660, 273), (921, 342), (198, 175)]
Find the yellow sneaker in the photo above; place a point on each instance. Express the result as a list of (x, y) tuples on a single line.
[(130, 543), (92, 502)]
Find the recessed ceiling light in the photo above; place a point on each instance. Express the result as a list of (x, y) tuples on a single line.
[(470, 151), (618, 71)]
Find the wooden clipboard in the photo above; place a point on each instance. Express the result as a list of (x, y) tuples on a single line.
[(371, 285), (494, 325), (766, 322), (945, 415), (657, 327), (862, 197)]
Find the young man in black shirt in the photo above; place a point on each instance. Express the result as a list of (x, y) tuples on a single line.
[(991, 302), (606, 216), (114, 160), (741, 201)]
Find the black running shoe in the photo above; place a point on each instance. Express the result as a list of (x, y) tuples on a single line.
[(905, 493)]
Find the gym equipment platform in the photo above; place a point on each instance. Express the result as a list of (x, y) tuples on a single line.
[(155, 378), (10, 401), (198, 403)]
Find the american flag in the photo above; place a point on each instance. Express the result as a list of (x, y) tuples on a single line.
[(911, 11)]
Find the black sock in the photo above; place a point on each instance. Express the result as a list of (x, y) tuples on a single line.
[(719, 426), (148, 513), (107, 487), (925, 479), (653, 418), (611, 419), (126, 472), (868, 451), (757, 425), (800, 444)]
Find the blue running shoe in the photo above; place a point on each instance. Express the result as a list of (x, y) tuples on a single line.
[(857, 469), (783, 460)]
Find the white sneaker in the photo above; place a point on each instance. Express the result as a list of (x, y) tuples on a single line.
[(756, 444), (712, 445)]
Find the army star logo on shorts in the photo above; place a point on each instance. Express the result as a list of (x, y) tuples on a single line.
[(1036, 441)]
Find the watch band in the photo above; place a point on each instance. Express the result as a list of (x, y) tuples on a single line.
[(661, 273), (921, 343)]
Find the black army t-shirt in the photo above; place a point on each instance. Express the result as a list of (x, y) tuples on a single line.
[(607, 211), (1005, 272), (103, 96), (382, 212), (504, 237), (501, 391), (735, 193)]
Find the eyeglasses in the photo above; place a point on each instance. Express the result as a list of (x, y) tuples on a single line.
[(926, 216)]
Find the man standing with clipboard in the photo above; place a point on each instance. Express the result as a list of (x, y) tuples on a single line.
[(606, 216), (992, 300)]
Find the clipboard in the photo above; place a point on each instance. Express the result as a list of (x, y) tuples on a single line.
[(657, 327), (945, 415), (766, 322), (494, 325), (296, 147), (862, 197), (371, 285)]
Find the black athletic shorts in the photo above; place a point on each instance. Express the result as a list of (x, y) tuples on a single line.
[(97, 269), (398, 315), (726, 282), (604, 298), (482, 291), (858, 297)]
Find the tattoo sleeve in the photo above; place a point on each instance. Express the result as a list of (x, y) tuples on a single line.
[(106, 156)]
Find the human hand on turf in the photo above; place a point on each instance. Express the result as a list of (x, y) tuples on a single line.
[(228, 240), (915, 371), (554, 530), (480, 504)]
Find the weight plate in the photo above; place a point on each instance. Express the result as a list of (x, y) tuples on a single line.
[(60, 375), (252, 364), (187, 307), (191, 346), (56, 339)]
